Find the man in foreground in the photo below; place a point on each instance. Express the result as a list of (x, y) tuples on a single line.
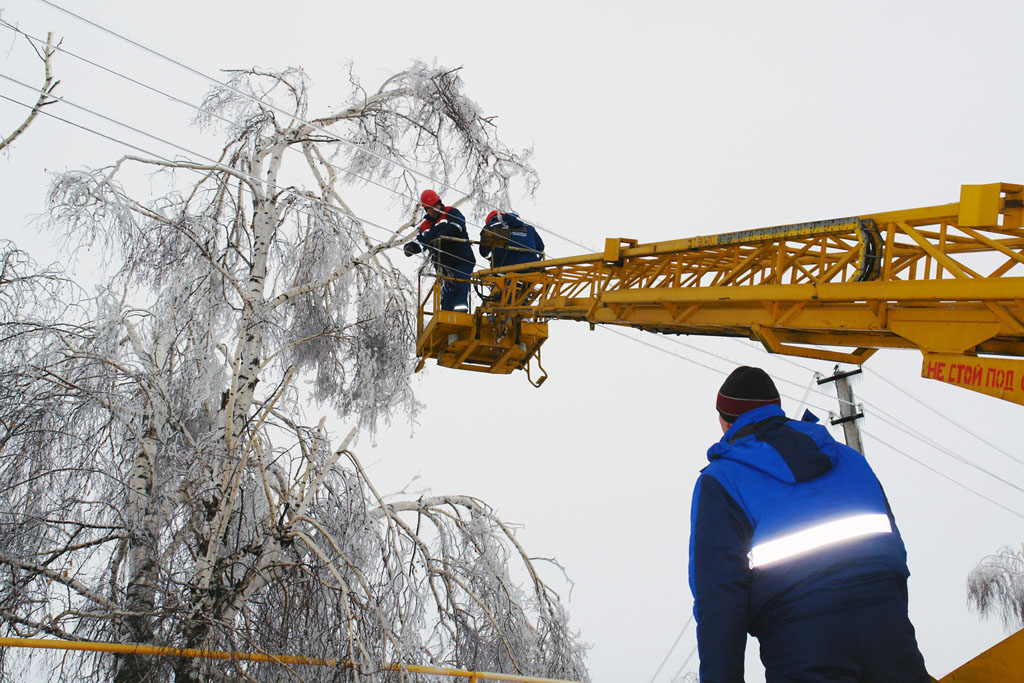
[(792, 540)]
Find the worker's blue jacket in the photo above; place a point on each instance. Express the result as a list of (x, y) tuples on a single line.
[(448, 241), (523, 237), (786, 523)]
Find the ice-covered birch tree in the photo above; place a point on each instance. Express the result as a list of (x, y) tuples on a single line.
[(996, 587), (161, 480)]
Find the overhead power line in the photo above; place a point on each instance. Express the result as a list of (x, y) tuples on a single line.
[(269, 105), (177, 99), (947, 419), (884, 415), (685, 663), (225, 120), (215, 163), (672, 649), (394, 162), (880, 414), (688, 359), (906, 428), (190, 105), (221, 84), (943, 475), (390, 231), (948, 451)]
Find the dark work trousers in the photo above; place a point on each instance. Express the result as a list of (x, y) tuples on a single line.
[(871, 643), (455, 287)]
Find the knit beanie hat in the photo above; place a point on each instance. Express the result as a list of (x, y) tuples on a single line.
[(745, 389)]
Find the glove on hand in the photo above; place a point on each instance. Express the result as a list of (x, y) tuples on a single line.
[(411, 248)]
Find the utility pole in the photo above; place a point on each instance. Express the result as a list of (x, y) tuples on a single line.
[(848, 413)]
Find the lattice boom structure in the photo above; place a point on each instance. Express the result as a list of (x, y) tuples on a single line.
[(947, 280)]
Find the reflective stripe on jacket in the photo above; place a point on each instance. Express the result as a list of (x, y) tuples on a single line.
[(786, 523)]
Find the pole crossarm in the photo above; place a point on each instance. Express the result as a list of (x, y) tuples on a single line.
[(152, 650)]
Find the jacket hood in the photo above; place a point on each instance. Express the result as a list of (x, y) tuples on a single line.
[(763, 439)]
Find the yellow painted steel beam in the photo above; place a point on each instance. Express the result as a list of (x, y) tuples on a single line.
[(912, 259), (777, 234), (774, 234), (803, 261), (1002, 662), (838, 318), (156, 651), (944, 279), (999, 289), (834, 236), (997, 377), (954, 327)]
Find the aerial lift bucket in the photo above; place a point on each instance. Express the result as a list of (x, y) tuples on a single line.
[(473, 341)]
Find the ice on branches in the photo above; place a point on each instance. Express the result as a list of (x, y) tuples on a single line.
[(995, 587), (160, 481)]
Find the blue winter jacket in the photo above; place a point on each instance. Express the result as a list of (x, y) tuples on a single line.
[(777, 533), (522, 235), (448, 241)]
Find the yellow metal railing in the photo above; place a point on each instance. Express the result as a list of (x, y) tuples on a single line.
[(152, 650), (947, 280)]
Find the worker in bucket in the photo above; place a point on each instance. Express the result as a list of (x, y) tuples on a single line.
[(792, 540), (510, 240), (443, 233)]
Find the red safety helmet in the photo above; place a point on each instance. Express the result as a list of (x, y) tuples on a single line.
[(429, 198), (490, 217)]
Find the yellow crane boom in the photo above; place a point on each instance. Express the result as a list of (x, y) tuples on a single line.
[(947, 280)]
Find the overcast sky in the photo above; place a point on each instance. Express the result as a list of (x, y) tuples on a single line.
[(652, 121)]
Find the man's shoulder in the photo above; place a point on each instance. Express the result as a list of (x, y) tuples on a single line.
[(722, 470), (514, 221), (824, 440)]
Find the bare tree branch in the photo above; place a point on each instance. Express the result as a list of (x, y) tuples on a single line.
[(45, 92)]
